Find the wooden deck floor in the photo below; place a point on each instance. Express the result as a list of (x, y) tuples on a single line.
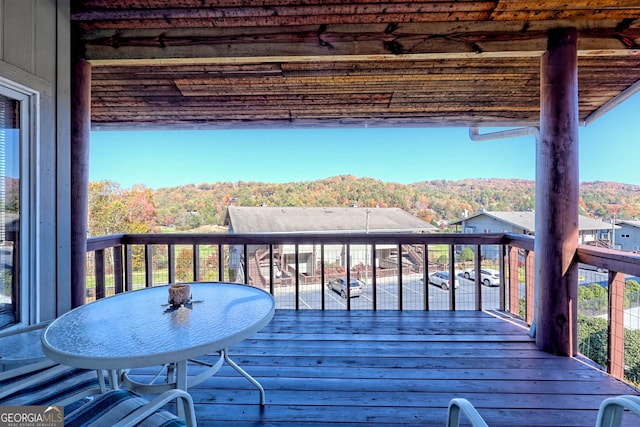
[(392, 368)]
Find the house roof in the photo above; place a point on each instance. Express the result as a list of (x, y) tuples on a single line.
[(527, 220), (385, 63), (324, 220), (632, 223)]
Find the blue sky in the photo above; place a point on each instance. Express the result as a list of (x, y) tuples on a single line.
[(609, 151)]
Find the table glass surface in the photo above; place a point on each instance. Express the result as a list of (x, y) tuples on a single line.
[(136, 328)]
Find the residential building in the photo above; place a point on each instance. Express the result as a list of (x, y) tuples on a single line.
[(627, 235), (318, 220), (590, 231)]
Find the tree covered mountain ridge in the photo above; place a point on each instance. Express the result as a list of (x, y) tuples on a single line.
[(192, 207), (437, 201)]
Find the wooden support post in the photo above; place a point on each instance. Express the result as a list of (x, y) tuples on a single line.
[(557, 183), (80, 138)]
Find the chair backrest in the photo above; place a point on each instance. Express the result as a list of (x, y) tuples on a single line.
[(125, 408), (458, 407), (612, 409), (35, 380)]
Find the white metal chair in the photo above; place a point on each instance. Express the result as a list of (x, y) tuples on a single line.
[(125, 408), (459, 406), (612, 409), (35, 380), (610, 412)]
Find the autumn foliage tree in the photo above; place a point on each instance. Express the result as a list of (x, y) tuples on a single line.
[(113, 210)]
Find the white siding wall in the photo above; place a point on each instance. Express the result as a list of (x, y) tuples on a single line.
[(587, 236), (34, 52)]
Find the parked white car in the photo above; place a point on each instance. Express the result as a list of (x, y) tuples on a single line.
[(339, 285), (488, 276), (442, 279)]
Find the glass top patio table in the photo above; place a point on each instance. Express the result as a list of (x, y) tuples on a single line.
[(136, 329)]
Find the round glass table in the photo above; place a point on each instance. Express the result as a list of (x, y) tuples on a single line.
[(138, 328)]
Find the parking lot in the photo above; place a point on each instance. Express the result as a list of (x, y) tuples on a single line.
[(387, 296)]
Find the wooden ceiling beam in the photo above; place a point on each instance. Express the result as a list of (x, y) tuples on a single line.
[(324, 44)]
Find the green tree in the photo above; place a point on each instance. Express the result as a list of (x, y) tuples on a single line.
[(466, 254)]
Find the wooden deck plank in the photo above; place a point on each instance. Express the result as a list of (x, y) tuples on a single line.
[(364, 368)]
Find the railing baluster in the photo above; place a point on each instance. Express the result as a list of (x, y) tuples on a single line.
[(271, 273), (118, 284), (128, 271), (399, 260), (323, 280), (196, 263), (245, 264), (452, 277), (297, 277), (615, 350), (477, 265), (100, 276), (374, 276), (425, 275), (220, 263), (514, 282), (502, 285), (529, 260), (171, 263), (148, 265), (348, 264)]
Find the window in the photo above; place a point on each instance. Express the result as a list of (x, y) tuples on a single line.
[(17, 130), (9, 210)]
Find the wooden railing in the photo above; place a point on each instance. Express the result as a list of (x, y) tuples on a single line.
[(619, 265), (296, 267), (125, 262)]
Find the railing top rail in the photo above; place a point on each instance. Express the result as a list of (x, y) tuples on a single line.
[(104, 242), (521, 241), (610, 259), (307, 238)]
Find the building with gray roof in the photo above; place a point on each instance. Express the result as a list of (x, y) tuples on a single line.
[(264, 219), (590, 231)]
